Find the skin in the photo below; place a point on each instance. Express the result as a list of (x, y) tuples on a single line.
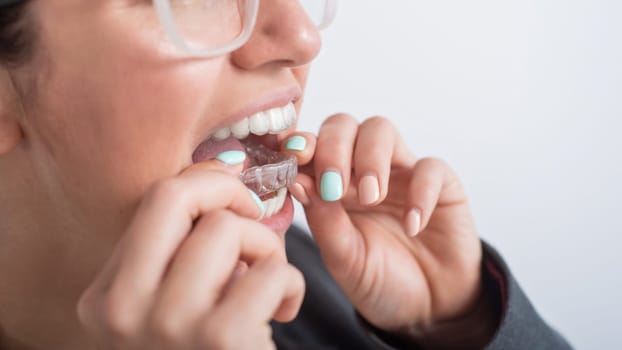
[(97, 137)]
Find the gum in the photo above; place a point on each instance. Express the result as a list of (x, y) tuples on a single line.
[(269, 171)]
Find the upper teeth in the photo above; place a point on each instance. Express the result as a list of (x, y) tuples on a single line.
[(272, 121)]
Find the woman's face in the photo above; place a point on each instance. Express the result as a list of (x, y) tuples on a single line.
[(117, 107)]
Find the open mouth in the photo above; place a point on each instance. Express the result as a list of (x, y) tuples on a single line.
[(267, 171)]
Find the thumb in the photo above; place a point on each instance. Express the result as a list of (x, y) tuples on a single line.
[(230, 162)]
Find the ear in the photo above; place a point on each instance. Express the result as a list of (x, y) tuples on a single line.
[(10, 114)]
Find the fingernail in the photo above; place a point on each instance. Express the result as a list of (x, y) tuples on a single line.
[(331, 186), (369, 192), (300, 194), (296, 143), (413, 222), (232, 157), (258, 201)]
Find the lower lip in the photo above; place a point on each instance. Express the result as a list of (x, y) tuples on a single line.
[(280, 222)]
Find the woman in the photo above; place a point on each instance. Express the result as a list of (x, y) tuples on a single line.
[(125, 126)]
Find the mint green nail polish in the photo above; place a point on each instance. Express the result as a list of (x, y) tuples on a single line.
[(258, 201), (331, 186), (232, 157), (296, 143)]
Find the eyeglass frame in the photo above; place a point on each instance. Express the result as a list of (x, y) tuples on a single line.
[(165, 14)]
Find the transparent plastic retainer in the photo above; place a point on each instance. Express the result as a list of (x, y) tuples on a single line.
[(269, 171)]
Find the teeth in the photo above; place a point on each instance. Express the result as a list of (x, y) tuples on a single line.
[(275, 204), (276, 119), (222, 134), (272, 121), (290, 113), (240, 129), (259, 124)]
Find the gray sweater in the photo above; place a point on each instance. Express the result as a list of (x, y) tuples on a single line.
[(327, 320)]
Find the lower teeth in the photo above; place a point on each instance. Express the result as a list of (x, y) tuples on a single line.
[(270, 171), (275, 204)]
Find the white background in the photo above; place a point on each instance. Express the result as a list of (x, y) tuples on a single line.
[(523, 99)]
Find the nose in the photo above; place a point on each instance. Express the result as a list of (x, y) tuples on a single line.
[(283, 35)]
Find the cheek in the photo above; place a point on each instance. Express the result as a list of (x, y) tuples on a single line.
[(132, 128), (110, 130)]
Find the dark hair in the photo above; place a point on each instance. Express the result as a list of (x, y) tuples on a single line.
[(16, 34)]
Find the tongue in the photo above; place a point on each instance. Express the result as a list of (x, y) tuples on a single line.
[(211, 148)]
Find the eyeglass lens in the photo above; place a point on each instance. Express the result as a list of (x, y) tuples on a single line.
[(209, 24), (205, 24)]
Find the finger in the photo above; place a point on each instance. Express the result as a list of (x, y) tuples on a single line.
[(379, 148), (373, 156), (298, 191), (300, 144), (205, 263), (433, 184), (211, 165), (333, 156), (164, 219), (226, 165), (230, 162), (335, 236), (269, 290)]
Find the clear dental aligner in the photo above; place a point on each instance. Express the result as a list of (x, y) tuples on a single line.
[(269, 171)]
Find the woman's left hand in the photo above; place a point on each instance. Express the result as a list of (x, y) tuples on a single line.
[(395, 231)]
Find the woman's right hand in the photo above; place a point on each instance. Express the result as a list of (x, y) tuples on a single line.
[(195, 270)]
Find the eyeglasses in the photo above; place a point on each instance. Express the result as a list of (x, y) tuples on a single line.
[(208, 28)]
